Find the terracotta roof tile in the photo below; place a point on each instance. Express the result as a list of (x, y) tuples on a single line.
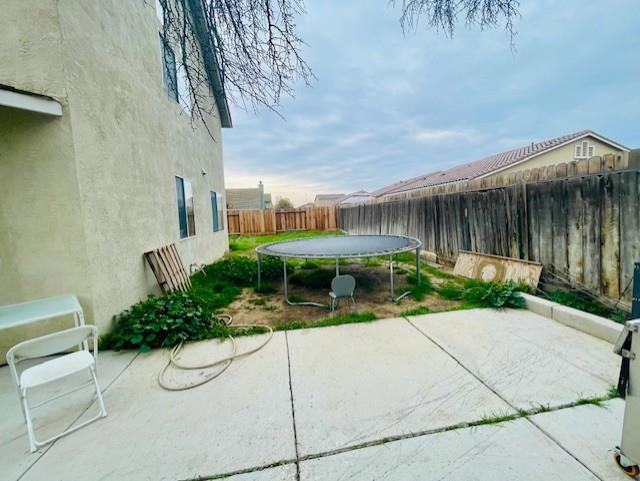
[(480, 167)]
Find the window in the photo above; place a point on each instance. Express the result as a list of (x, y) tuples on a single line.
[(174, 76), (184, 96), (584, 150), (169, 73), (186, 218), (217, 211)]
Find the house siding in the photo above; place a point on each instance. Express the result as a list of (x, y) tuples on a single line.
[(561, 155), (110, 165)]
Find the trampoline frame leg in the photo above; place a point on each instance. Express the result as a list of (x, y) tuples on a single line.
[(259, 270)]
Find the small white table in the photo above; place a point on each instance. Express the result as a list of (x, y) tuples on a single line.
[(33, 311)]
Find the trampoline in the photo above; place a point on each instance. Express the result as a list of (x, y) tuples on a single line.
[(340, 247)]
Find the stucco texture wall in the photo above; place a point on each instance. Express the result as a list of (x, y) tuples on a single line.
[(86, 194), (30, 57), (562, 155), (131, 140), (42, 248)]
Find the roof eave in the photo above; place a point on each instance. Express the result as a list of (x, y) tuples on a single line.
[(210, 63)]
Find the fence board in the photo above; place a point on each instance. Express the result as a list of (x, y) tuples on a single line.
[(271, 221), (585, 226)]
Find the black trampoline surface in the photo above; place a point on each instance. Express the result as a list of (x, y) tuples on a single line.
[(341, 246)]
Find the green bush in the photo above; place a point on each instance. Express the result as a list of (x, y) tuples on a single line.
[(492, 294), (242, 271), (474, 293), (162, 322)]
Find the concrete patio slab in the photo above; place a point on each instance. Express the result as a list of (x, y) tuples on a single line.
[(51, 418), (362, 382), (528, 359), (242, 419), (590, 433), (514, 451)]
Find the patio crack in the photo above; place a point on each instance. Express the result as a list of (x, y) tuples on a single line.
[(515, 408), (293, 409)]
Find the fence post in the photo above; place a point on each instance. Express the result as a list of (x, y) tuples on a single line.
[(635, 300)]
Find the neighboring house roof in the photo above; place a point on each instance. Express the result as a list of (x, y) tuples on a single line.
[(354, 197), (247, 199), (326, 198), (268, 204), (492, 164), (210, 62)]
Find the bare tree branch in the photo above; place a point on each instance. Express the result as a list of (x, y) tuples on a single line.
[(444, 15), (255, 46)]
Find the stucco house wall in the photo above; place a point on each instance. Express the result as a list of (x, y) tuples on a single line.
[(86, 194)]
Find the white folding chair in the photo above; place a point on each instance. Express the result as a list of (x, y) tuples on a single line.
[(54, 370), (342, 287)]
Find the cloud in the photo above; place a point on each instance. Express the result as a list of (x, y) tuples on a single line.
[(388, 107), (435, 136)]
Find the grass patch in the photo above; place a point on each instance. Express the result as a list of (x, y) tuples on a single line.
[(416, 311), (314, 279), (265, 288), (247, 244), (613, 392), (307, 265), (451, 291), (495, 419), (258, 302), (439, 273), (349, 318), (296, 298), (581, 301), (594, 401), (421, 289)]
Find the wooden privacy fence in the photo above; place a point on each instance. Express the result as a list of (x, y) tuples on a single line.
[(271, 221), (585, 228)]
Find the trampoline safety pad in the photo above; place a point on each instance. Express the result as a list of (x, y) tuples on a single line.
[(333, 247)]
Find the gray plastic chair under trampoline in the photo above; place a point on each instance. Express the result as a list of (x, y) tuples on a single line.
[(342, 287)]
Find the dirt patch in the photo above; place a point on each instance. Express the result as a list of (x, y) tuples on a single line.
[(372, 294)]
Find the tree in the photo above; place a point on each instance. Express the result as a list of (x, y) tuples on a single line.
[(252, 44), (444, 15), (284, 203), (254, 48)]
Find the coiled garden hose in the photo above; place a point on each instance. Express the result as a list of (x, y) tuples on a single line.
[(174, 358)]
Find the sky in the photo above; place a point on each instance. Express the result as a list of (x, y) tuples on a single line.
[(388, 106)]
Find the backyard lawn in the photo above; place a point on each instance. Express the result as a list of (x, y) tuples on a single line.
[(229, 286), (310, 280)]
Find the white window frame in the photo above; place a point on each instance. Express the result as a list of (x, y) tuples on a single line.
[(164, 45), (584, 149), (219, 212), (191, 230)]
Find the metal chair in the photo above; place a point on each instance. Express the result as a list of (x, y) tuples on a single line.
[(342, 287), (53, 370)]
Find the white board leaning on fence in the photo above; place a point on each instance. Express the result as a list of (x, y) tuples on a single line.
[(487, 267)]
